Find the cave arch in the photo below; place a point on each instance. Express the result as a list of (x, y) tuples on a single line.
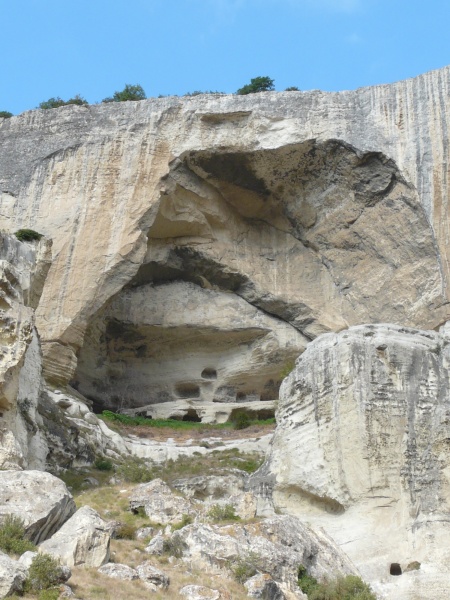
[(252, 254)]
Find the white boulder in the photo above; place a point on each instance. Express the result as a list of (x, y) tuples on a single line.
[(41, 500), (83, 540)]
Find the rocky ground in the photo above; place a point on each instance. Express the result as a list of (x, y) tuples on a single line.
[(197, 539), (197, 435)]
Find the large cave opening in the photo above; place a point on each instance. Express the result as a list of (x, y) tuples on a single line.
[(252, 254)]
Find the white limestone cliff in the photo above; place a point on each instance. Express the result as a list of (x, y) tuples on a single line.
[(361, 449), (322, 210)]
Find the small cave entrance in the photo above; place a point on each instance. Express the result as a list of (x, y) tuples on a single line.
[(192, 416), (395, 569), (209, 374), (187, 390)]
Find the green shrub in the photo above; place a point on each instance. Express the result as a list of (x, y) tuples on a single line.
[(306, 583), (287, 369), (135, 470), (12, 536), (126, 532), (258, 84), (174, 546), (293, 88), (4, 114), (185, 520), (44, 573), (27, 235), (57, 102), (343, 588), (223, 512), (240, 419), (129, 93), (103, 464), (244, 567), (51, 594)]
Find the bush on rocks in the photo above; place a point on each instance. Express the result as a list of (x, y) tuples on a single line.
[(12, 536), (43, 574)]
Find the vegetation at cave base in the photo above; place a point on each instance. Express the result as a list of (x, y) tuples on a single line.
[(110, 416)]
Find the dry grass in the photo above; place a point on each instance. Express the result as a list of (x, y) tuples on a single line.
[(112, 503), (90, 585)]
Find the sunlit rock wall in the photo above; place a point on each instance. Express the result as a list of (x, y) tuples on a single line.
[(362, 449), (320, 210)]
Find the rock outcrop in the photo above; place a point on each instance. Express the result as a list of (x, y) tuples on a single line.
[(275, 546), (22, 272), (199, 592), (41, 500), (198, 246), (361, 449), (283, 216), (12, 576), (83, 540), (161, 505)]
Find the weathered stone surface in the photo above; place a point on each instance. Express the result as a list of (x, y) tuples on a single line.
[(21, 442), (199, 592), (41, 500), (65, 591), (83, 540), (74, 434), (144, 533), (156, 545), (160, 452), (212, 487), (312, 209), (161, 505), (12, 576), (153, 577), (206, 412), (216, 335), (263, 586), (27, 558), (275, 546), (361, 450), (118, 571)]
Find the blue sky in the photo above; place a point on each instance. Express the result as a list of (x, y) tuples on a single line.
[(94, 47)]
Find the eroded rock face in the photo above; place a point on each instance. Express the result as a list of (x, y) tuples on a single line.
[(153, 577), (41, 500), (161, 505), (199, 592), (83, 540), (118, 571), (275, 546), (22, 271), (313, 209), (12, 576), (361, 449)]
